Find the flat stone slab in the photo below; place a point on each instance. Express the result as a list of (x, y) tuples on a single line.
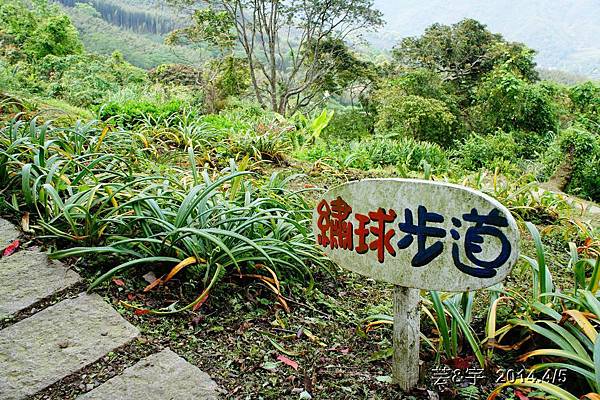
[(8, 233), (28, 277), (161, 376), (58, 341)]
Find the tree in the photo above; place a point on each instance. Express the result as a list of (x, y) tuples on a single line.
[(284, 41), (464, 52), (55, 36), (414, 116), (39, 31), (507, 101)]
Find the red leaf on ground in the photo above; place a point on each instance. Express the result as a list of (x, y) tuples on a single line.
[(287, 361), (197, 306), (118, 282), (521, 396), (141, 312), (461, 362), (130, 296), (11, 248)]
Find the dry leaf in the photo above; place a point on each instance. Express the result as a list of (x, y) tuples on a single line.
[(11, 248), (287, 361)]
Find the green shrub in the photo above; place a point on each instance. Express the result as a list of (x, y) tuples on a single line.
[(577, 151), (405, 153), (349, 124), (509, 102), (586, 103), (416, 117), (88, 79), (584, 148), (132, 112), (487, 151), (35, 30)]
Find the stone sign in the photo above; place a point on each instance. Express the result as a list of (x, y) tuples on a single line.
[(416, 235)]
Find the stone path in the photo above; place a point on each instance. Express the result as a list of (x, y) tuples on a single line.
[(60, 340)]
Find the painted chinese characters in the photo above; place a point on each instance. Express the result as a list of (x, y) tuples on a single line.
[(419, 234), (337, 232)]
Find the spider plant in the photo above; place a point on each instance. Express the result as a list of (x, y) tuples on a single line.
[(567, 322), (207, 227)]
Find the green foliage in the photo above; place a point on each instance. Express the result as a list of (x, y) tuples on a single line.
[(489, 151), (416, 117), (586, 103), (39, 31), (463, 52), (507, 101), (349, 124), (583, 149), (88, 80), (84, 185), (563, 319), (54, 36), (503, 150), (406, 154), (134, 112)]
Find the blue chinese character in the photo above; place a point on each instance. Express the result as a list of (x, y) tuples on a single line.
[(484, 225), (424, 254)]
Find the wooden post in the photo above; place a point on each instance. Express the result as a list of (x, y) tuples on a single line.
[(405, 368)]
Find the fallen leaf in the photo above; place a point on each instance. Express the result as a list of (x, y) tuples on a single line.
[(149, 277), (141, 312), (287, 361), (11, 248), (25, 222), (521, 396), (269, 365), (130, 296), (197, 306), (118, 282), (384, 379), (461, 362)]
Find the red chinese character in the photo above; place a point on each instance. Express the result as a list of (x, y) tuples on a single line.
[(341, 231), (362, 231), (335, 230), (323, 222), (382, 242)]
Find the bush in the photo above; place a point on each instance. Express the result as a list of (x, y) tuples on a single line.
[(404, 153), (487, 151), (37, 31), (88, 79), (134, 112), (349, 124), (586, 103), (416, 117), (508, 102), (581, 150)]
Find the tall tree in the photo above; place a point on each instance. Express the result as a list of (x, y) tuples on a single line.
[(464, 52), (283, 41)]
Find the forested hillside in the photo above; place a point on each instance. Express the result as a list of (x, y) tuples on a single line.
[(138, 32), (566, 33)]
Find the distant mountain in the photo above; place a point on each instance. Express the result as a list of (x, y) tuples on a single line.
[(566, 33)]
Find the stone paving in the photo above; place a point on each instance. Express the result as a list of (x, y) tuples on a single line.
[(28, 277), (60, 340)]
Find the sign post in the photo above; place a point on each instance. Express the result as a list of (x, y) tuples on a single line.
[(405, 362), (415, 235)]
